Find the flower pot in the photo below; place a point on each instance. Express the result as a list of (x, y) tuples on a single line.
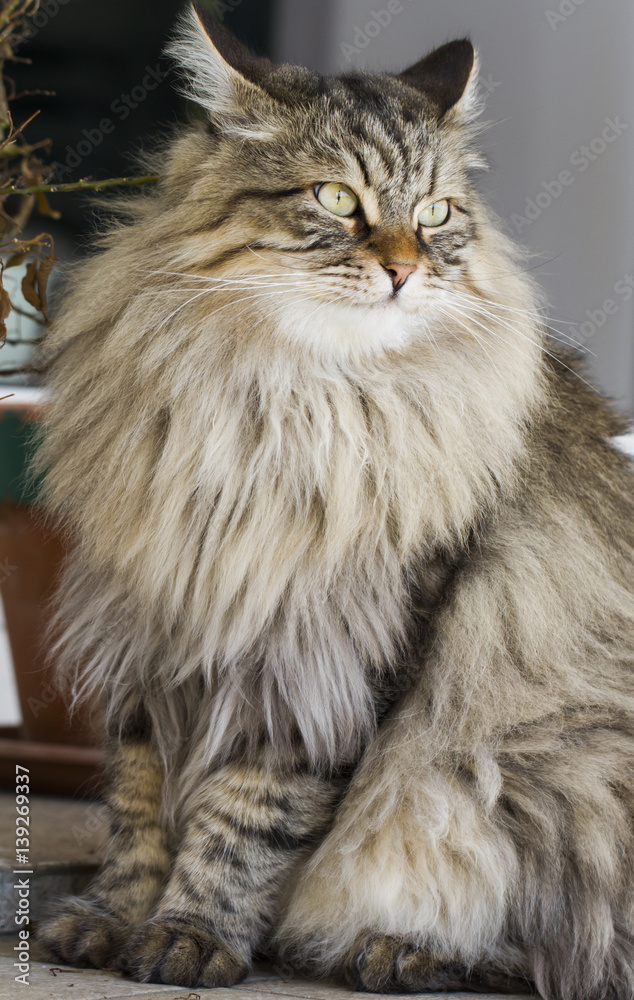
[(31, 554)]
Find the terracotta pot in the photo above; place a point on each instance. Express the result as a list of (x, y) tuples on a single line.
[(30, 558)]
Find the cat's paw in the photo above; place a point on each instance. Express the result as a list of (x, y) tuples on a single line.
[(370, 964), (82, 934), (384, 963), (179, 952)]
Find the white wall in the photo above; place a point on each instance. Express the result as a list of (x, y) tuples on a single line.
[(560, 68), (9, 706)]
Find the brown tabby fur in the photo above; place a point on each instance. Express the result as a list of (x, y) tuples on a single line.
[(353, 563)]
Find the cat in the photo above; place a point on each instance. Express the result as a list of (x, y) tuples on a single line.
[(353, 559)]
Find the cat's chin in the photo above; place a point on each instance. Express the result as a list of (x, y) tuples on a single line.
[(345, 329)]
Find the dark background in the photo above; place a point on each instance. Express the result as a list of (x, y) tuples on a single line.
[(95, 54)]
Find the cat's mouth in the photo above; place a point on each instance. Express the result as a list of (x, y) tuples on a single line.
[(379, 299), (396, 301)]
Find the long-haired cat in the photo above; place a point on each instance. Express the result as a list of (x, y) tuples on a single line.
[(353, 564)]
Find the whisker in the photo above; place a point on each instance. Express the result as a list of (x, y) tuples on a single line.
[(482, 345), (530, 313), (523, 312), (179, 289), (255, 254), (535, 343), (231, 302), (554, 358), (513, 329), (172, 314), (227, 280), (568, 342), (527, 270)]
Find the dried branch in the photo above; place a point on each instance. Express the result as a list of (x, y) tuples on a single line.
[(25, 181), (83, 185)]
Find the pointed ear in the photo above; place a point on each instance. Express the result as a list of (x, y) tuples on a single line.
[(221, 73), (448, 76)]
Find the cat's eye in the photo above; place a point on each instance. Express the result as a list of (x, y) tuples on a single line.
[(337, 198), (435, 214)]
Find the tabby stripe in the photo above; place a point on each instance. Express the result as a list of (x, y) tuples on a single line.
[(126, 880), (264, 195), (433, 178), (403, 154), (229, 255), (216, 853), (364, 170), (186, 887), (283, 840), (276, 836), (137, 861), (449, 258), (210, 226), (244, 826), (388, 159), (131, 823)]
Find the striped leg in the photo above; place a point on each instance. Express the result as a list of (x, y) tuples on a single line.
[(246, 832), (92, 929)]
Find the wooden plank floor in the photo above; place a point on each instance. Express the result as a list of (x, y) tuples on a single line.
[(49, 982)]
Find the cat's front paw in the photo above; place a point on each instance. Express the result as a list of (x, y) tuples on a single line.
[(371, 965), (82, 934), (179, 952), (385, 963)]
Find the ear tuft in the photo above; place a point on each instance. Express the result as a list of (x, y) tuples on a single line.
[(228, 47), (220, 72), (448, 76)]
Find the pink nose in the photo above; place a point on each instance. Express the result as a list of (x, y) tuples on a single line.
[(399, 273)]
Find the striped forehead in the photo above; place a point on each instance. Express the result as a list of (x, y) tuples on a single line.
[(391, 171), (389, 151)]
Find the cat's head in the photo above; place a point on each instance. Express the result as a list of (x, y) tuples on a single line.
[(345, 204)]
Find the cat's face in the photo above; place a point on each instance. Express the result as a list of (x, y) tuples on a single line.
[(342, 206)]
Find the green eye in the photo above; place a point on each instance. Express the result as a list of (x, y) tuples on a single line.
[(337, 198), (434, 215)]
